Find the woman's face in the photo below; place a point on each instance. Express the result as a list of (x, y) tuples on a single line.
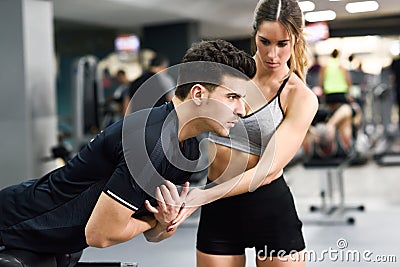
[(273, 46)]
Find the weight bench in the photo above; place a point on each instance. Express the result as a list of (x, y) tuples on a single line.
[(332, 182), (24, 258), (107, 264)]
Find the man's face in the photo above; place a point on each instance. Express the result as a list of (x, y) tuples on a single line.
[(225, 104)]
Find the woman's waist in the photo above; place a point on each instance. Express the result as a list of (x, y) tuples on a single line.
[(228, 163)]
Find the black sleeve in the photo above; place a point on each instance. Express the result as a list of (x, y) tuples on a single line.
[(124, 189)]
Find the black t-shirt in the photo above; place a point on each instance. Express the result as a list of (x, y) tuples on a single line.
[(155, 83), (49, 214)]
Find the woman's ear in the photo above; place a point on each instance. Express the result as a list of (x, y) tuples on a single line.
[(197, 93)]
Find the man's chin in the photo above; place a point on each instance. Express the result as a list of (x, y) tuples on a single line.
[(222, 131), (225, 132)]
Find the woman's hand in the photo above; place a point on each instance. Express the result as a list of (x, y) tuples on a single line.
[(170, 202), (195, 198)]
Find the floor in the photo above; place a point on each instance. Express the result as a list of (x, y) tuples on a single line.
[(374, 239)]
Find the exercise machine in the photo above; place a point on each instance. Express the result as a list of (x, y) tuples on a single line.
[(333, 205), (386, 151), (24, 258), (87, 100)]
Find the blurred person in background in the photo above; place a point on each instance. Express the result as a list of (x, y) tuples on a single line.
[(335, 81), (162, 81)]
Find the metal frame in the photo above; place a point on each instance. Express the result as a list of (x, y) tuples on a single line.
[(333, 205)]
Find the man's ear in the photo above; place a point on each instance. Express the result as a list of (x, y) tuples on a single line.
[(197, 93)]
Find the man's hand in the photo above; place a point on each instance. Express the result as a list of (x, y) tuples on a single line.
[(169, 203)]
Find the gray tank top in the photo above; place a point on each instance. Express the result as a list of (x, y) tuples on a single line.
[(253, 132)]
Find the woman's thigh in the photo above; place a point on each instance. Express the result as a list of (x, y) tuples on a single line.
[(208, 260)]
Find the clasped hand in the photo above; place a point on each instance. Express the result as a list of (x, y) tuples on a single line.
[(169, 201), (174, 208)]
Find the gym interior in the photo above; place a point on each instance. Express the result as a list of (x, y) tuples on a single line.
[(59, 56)]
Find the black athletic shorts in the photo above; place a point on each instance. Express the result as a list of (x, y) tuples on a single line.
[(265, 219), (336, 98)]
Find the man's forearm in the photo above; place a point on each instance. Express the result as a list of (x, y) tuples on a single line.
[(137, 226), (158, 233)]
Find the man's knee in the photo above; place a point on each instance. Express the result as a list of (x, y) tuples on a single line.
[(24, 258)]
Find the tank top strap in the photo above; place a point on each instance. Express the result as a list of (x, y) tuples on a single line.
[(283, 85)]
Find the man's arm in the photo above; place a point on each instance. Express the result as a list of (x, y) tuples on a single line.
[(111, 223), (158, 233)]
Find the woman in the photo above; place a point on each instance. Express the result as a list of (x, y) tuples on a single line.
[(276, 125), (266, 218), (335, 81)]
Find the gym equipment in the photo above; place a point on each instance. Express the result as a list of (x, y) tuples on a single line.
[(107, 264), (332, 181), (386, 151), (387, 148), (333, 207), (87, 99), (24, 258)]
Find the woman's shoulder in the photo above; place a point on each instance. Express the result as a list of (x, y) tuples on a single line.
[(296, 86), (296, 89)]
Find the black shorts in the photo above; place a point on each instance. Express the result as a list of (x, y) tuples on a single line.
[(336, 98), (265, 219)]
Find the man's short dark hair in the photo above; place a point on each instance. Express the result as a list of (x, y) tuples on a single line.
[(218, 51)]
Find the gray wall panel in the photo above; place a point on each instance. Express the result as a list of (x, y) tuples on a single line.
[(27, 93)]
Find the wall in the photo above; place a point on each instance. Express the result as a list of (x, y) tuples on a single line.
[(27, 94)]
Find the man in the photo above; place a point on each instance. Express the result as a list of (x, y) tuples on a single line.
[(94, 200), (332, 132), (162, 81)]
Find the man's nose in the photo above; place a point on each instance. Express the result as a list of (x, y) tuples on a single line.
[(240, 109)]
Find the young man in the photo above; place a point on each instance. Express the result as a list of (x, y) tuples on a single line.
[(94, 200)]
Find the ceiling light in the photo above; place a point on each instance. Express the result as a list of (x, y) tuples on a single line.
[(306, 6), (323, 15), (365, 6)]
